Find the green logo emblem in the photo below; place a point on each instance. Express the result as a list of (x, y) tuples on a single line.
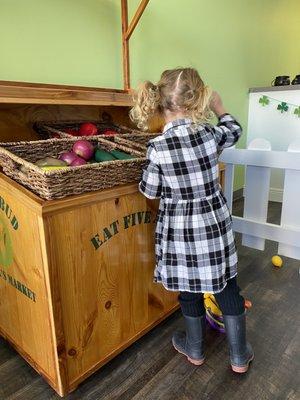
[(6, 251)]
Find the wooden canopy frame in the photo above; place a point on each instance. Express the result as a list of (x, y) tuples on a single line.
[(127, 31)]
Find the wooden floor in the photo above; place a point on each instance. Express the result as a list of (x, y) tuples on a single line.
[(151, 369)]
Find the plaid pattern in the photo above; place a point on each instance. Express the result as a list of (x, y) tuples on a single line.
[(194, 242)]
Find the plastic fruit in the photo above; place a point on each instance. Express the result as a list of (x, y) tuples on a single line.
[(84, 149), (54, 167), (102, 155), (68, 157), (277, 261), (71, 132), (78, 162), (120, 155), (248, 304), (88, 129), (49, 161)]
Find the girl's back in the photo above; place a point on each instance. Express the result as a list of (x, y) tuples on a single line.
[(186, 155)]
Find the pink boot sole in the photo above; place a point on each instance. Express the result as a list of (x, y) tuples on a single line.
[(243, 369), (191, 360)]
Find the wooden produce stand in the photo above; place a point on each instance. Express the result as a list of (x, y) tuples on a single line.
[(76, 273)]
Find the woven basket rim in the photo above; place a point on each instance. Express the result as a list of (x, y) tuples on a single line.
[(53, 124), (19, 160), (72, 139), (68, 135), (31, 165), (128, 142), (80, 121), (91, 166)]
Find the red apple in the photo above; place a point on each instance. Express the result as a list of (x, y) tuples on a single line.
[(88, 129), (71, 132)]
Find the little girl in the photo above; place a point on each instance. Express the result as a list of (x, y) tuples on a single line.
[(194, 242)]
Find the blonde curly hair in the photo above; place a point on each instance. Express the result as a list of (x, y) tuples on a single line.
[(178, 90)]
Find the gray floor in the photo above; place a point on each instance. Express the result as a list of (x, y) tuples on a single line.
[(151, 369)]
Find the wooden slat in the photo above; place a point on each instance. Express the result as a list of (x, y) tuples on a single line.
[(29, 93), (75, 202), (55, 86), (125, 45), (126, 34), (136, 18), (46, 207)]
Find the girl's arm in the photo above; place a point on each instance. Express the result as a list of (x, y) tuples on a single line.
[(228, 130), (150, 184)]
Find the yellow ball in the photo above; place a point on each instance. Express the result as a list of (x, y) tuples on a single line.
[(277, 261)]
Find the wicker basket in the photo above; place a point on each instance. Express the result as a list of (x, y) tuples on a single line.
[(135, 141), (17, 161), (50, 129)]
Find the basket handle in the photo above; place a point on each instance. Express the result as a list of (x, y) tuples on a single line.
[(18, 170), (15, 163)]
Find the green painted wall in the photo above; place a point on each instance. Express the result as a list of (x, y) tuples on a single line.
[(61, 41), (235, 44)]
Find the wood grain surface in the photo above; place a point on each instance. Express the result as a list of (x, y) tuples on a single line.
[(89, 263), (37, 93), (151, 369), (16, 120), (25, 312)]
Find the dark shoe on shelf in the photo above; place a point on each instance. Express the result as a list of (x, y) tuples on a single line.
[(241, 353), (191, 342)]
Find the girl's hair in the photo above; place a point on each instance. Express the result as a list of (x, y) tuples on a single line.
[(179, 89)]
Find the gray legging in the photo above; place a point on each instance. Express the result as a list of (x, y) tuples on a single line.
[(229, 300)]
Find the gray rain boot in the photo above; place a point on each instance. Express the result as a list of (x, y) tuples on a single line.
[(190, 343), (241, 353)]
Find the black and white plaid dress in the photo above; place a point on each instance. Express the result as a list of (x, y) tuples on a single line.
[(194, 242)]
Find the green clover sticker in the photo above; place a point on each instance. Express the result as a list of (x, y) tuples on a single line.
[(297, 111), (264, 101), (6, 251), (283, 107)]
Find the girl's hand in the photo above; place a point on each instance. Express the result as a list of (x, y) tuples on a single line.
[(216, 104)]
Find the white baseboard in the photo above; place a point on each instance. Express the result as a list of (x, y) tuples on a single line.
[(275, 194)]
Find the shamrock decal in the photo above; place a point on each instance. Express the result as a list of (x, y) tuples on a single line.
[(264, 101), (283, 107), (297, 111)]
